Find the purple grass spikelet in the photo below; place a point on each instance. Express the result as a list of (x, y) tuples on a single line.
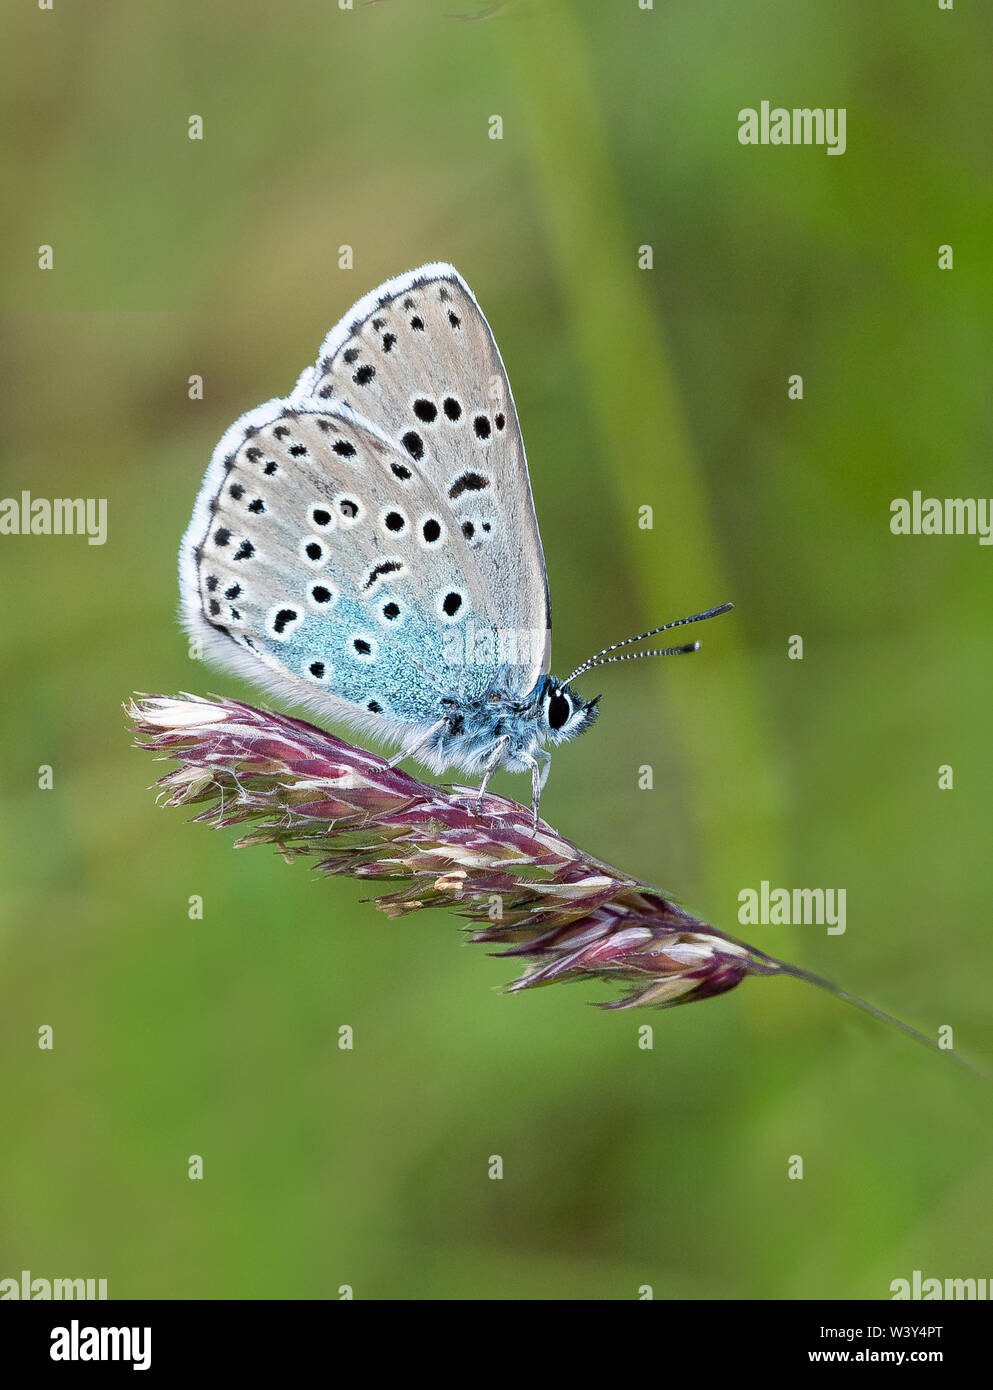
[(562, 913)]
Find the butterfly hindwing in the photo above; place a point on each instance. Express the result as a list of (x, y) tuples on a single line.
[(320, 550)]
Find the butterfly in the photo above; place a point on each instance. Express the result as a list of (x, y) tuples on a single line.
[(367, 546)]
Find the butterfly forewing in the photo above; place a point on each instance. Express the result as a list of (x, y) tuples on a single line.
[(417, 358)]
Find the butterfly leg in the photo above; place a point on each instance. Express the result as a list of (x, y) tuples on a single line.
[(492, 763), (418, 744), (540, 763)]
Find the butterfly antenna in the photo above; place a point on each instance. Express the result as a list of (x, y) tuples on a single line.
[(604, 659)]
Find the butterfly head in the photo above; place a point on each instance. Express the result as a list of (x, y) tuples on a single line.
[(562, 713)]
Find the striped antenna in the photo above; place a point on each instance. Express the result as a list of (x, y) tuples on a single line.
[(598, 659)]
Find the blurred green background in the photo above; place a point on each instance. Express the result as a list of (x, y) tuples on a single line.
[(664, 387)]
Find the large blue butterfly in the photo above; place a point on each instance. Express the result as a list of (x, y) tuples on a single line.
[(368, 546)]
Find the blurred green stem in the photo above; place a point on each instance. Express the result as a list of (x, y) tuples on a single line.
[(726, 745)]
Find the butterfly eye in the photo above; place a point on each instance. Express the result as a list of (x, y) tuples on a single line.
[(559, 710)]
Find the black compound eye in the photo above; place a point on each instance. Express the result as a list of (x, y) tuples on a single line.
[(559, 710)]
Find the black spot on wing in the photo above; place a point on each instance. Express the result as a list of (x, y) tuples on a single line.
[(467, 482), (385, 567)]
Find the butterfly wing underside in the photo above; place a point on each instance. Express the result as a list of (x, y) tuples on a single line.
[(322, 553), (418, 359), (353, 544)]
